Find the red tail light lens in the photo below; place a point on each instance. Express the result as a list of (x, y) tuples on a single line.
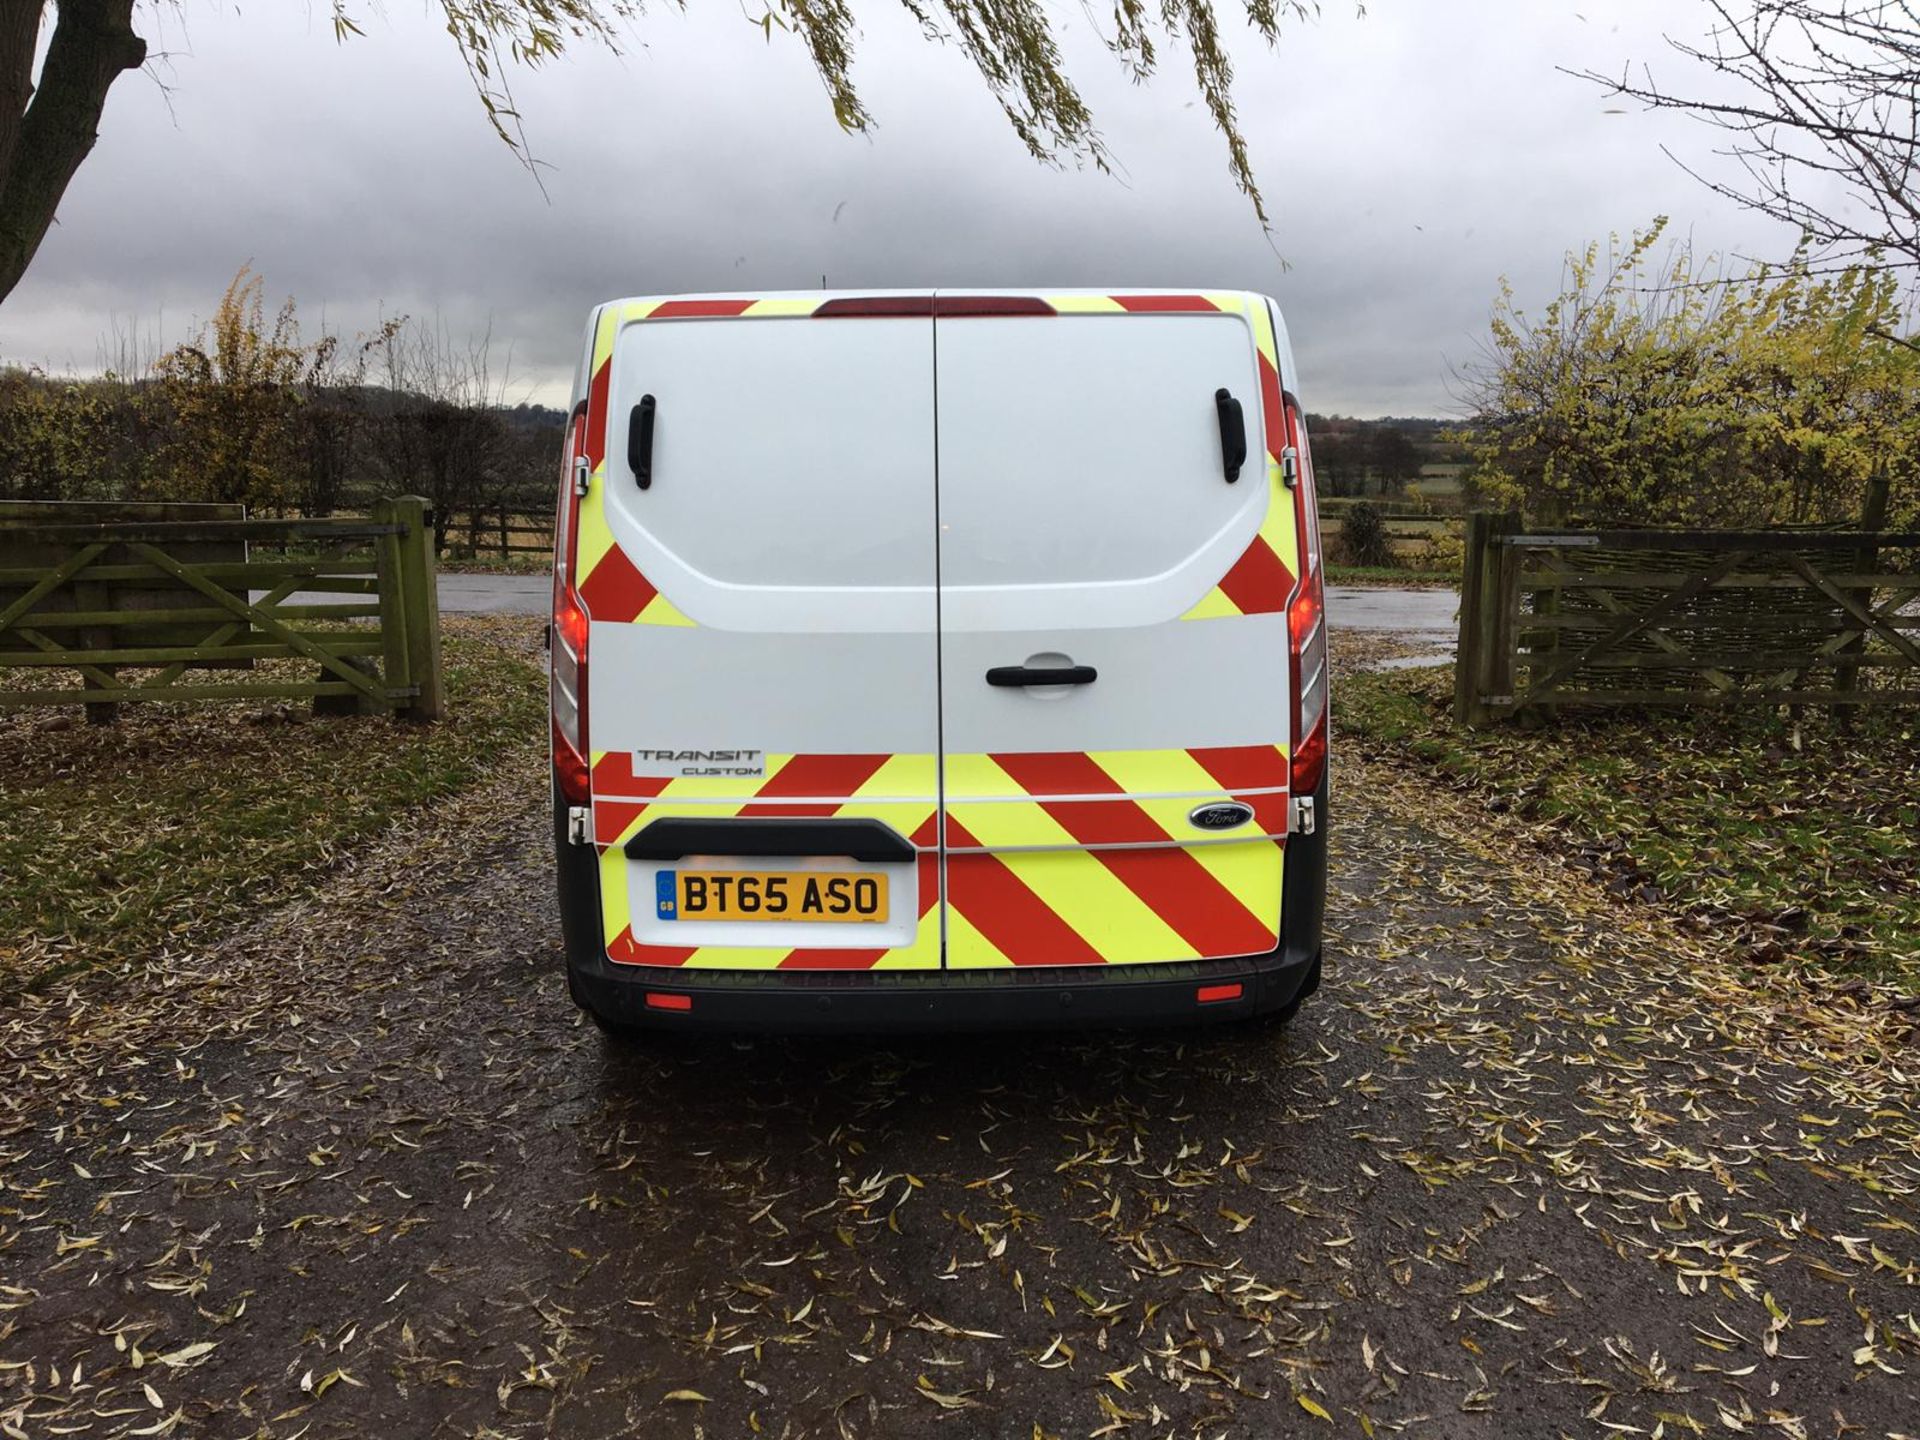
[(1307, 627), (567, 690)]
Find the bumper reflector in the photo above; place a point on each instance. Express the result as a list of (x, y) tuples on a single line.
[(656, 1000), (1214, 994)]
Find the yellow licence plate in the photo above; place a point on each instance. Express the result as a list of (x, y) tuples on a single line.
[(770, 895)]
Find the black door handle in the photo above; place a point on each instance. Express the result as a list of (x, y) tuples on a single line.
[(640, 442), (1233, 434), (1042, 675)]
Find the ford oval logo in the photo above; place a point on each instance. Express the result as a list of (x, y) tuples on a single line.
[(1223, 815)]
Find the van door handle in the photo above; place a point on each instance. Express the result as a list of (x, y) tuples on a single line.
[(640, 442), (1233, 433), (1042, 675)]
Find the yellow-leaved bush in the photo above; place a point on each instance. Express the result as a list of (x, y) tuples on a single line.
[(1661, 392)]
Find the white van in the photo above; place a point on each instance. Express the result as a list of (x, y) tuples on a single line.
[(938, 659)]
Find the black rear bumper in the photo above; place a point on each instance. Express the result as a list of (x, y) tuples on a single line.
[(867, 1001)]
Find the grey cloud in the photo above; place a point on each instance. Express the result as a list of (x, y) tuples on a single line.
[(1410, 158)]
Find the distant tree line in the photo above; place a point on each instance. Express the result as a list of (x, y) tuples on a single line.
[(251, 411), (1379, 458)]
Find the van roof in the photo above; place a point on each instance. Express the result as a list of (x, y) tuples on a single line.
[(1067, 299)]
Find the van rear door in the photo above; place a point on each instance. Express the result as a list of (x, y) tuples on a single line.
[(1090, 530), (758, 554)]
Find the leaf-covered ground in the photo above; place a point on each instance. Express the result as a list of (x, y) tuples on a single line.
[(1799, 839), (1535, 1162), (115, 840)]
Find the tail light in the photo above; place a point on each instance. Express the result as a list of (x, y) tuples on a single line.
[(568, 690), (1307, 656), (1307, 627)]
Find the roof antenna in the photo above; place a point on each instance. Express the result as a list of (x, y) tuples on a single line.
[(823, 282)]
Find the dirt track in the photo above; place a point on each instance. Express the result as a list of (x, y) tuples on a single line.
[(1531, 1164)]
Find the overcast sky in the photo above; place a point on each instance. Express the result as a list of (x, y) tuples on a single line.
[(1410, 157)]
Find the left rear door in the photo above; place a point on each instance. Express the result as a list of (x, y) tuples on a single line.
[(763, 641)]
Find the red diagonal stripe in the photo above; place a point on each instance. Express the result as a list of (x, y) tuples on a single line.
[(1106, 822), (1244, 767), (1269, 812), (1091, 822), (830, 959), (1272, 409), (696, 309), (625, 950), (1182, 892), (1012, 917), (611, 818), (616, 590), (827, 776), (1258, 582), (1151, 304), (613, 773), (1058, 773), (594, 446)]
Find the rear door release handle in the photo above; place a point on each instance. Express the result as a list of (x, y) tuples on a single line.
[(640, 442), (1042, 675), (1233, 434)]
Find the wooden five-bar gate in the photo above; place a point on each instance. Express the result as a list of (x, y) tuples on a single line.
[(101, 605), (1684, 617)]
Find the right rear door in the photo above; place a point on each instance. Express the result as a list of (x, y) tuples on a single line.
[(1086, 523)]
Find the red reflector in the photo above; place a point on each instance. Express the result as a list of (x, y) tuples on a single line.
[(1213, 994), (657, 1000), (874, 305), (962, 305)]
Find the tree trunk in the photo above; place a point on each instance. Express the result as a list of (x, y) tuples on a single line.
[(43, 142)]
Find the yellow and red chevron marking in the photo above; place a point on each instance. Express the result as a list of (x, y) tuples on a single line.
[(922, 954), (1092, 871), (896, 789), (792, 785), (1261, 581)]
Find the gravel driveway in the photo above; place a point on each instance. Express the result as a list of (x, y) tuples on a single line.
[(1533, 1163)]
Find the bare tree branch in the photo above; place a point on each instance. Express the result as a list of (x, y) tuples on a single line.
[(1820, 91)]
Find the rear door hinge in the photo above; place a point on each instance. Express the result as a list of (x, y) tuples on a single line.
[(582, 475), (1303, 815), (579, 825), (1290, 466)]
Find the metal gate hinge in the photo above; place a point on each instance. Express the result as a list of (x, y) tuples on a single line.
[(582, 475), (1303, 815), (579, 825)]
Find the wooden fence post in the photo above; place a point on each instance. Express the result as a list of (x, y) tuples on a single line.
[(1484, 629), (1500, 601), (420, 602), (387, 551), (1466, 650)]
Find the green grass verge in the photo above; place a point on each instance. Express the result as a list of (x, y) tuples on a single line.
[(1388, 575), (1797, 841), (496, 565), (115, 840)]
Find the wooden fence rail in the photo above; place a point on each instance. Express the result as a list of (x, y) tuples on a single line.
[(1684, 617), (83, 601), (501, 531)]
